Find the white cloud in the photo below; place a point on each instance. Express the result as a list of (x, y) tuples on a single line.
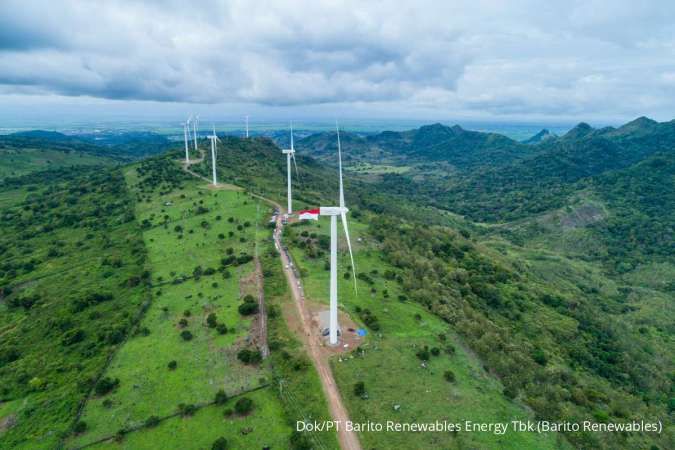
[(482, 58)]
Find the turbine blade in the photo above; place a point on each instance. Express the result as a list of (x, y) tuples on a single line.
[(292, 148), (342, 194), (343, 217), (297, 175)]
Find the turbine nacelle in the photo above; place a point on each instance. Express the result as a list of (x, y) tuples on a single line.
[(332, 210), (288, 151)]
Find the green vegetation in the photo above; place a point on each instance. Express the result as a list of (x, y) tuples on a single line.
[(397, 372), (129, 300), (20, 161), (191, 298), (72, 287)]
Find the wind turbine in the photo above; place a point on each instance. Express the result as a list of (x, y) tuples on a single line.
[(246, 127), (186, 129), (290, 153), (334, 212), (214, 139), (195, 124)]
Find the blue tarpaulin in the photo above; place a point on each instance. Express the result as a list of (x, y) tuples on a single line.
[(361, 332)]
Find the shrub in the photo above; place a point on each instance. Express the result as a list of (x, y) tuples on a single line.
[(186, 335), (80, 427), (221, 397), (73, 337), (219, 444), (449, 376), (247, 308), (424, 354), (243, 406), (539, 357), (172, 365), (211, 320), (152, 421), (249, 356), (222, 328), (299, 441), (359, 389), (106, 385), (186, 410)]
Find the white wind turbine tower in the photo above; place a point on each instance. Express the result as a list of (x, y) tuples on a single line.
[(334, 212), (186, 130), (214, 138), (195, 124), (246, 127), (290, 153)]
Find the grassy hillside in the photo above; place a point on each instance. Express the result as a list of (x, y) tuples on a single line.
[(17, 162), (124, 287), (534, 319), (190, 232), (72, 285), (202, 244), (403, 382)]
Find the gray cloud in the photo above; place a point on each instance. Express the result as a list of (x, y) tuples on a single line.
[(475, 58)]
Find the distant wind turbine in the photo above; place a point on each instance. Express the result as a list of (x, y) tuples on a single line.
[(290, 153), (195, 124), (214, 139), (334, 212), (186, 129), (246, 127)]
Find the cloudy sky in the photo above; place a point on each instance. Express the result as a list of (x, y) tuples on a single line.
[(599, 61)]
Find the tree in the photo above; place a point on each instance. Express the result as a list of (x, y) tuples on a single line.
[(152, 421), (243, 406), (212, 320), (186, 410), (424, 354), (80, 427), (219, 444), (449, 376), (249, 356), (221, 397), (186, 335), (248, 308), (299, 441), (222, 328), (172, 365), (106, 385), (359, 389)]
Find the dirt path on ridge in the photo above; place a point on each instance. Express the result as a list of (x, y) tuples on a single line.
[(348, 439)]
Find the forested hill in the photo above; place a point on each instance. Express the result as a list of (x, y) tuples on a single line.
[(545, 180), (122, 146), (453, 145), (564, 338)]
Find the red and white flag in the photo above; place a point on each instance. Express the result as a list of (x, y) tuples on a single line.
[(309, 214)]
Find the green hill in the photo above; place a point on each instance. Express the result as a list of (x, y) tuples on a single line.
[(551, 300)]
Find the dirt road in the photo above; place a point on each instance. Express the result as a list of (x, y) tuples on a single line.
[(348, 439)]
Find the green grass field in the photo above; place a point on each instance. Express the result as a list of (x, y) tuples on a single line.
[(59, 339), (184, 229), (20, 162), (262, 427), (399, 387)]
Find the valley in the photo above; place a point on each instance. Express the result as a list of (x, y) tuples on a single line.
[(160, 308)]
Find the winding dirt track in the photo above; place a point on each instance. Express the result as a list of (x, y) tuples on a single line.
[(348, 439), (310, 338)]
